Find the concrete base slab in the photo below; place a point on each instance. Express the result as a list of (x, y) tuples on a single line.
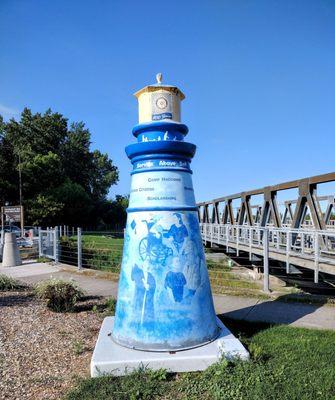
[(110, 358)]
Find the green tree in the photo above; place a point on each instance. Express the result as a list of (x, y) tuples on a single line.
[(63, 180), (44, 210), (8, 173), (115, 211), (78, 203)]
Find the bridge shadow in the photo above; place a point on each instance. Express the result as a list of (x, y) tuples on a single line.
[(286, 309)]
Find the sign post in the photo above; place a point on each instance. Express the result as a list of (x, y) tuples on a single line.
[(12, 214)]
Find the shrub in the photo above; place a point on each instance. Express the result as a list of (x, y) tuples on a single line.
[(107, 308), (110, 306), (61, 295), (7, 284), (78, 347)]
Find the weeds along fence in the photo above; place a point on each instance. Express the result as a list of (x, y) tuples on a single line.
[(92, 249)]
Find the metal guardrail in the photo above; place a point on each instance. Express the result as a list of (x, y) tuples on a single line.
[(99, 250), (84, 249), (312, 246)]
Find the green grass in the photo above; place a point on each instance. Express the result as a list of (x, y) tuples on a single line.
[(224, 280), (110, 306), (43, 259), (107, 308), (286, 364), (101, 252), (222, 265), (9, 284), (102, 242), (308, 299)]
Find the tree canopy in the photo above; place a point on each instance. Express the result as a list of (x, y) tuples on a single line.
[(63, 180)]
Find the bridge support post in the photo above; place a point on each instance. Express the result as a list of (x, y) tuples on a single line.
[(250, 244), (39, 242), (227, 239), (266, 260), (237, 241), (288, 248), (316, 257)]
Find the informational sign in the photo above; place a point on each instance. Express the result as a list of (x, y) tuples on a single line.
[(12, 214)]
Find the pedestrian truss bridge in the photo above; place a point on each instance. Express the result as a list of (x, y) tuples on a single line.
[(298, 232)]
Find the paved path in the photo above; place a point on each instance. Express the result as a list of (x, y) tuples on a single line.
[(243, 308), (31, 273)]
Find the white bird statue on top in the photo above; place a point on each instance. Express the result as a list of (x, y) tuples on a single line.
[(159, 78)]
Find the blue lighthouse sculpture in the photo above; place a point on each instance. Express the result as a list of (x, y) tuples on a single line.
[(164, 296)]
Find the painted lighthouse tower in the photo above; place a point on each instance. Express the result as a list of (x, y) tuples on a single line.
[(164, 298)]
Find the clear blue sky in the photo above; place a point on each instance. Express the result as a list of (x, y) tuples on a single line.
[(259, 78)]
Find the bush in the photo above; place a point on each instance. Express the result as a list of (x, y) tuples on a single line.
[(7, 284), (110, 306), (61, 295)]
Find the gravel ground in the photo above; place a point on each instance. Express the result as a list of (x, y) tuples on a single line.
[(42, 353)]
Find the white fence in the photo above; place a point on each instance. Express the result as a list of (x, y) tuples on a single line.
[(311, 245), (48, 243), (84, 249)]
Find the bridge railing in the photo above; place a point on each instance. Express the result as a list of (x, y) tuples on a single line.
[(307, 210), (313, 245)]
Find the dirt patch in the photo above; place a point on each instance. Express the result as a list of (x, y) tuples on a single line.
[(43, 352)]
